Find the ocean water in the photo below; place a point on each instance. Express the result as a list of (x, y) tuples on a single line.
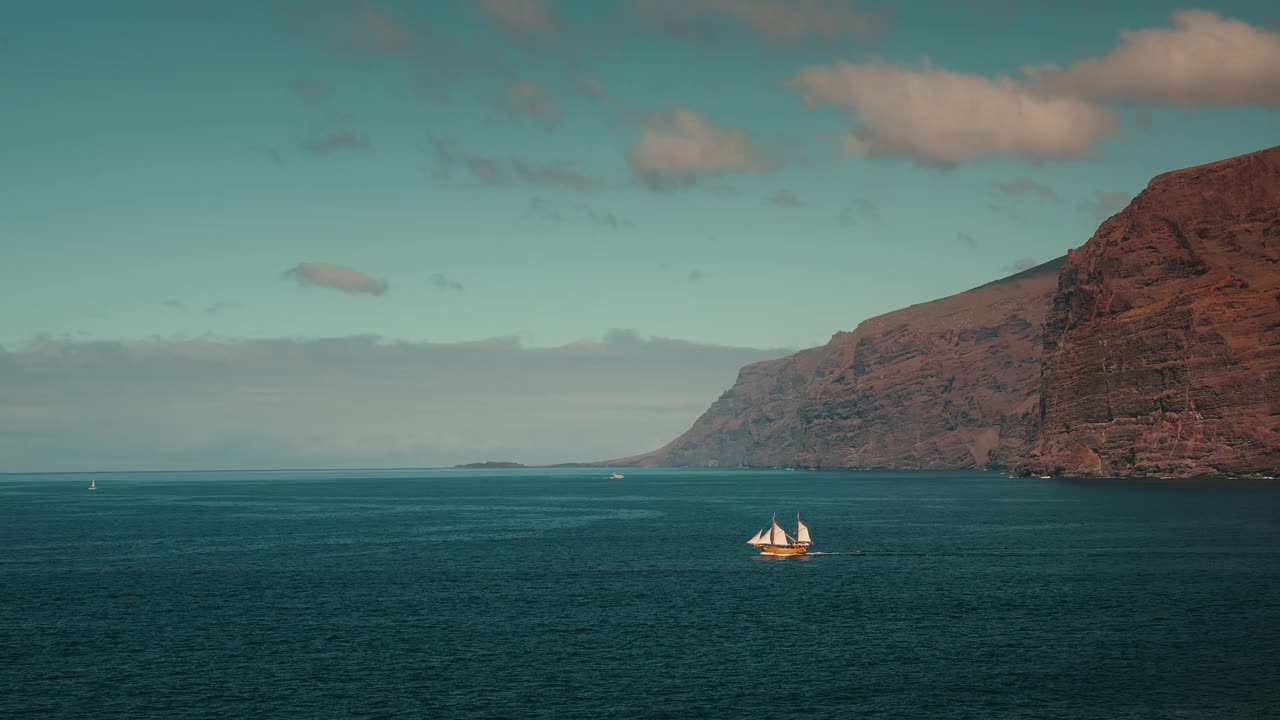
[(560, 594)]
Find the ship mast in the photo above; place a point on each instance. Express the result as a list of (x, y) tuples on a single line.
[(802, 532), (775, 530)]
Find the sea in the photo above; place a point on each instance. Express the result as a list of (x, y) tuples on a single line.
[(562, 594)]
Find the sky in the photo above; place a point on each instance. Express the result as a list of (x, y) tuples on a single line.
[(197, 194)]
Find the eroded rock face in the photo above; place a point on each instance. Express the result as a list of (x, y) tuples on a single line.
[(1161, 345), (947, 384), (1162, 349)]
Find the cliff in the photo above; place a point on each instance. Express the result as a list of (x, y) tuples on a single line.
[(951, 383), (1160, 339), (1162, 348)]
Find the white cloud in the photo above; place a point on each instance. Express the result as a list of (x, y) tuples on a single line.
[(686, 146), (942, 118), (1203, 59), (338, 277)]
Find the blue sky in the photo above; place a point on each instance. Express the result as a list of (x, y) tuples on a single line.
[(742, 173)]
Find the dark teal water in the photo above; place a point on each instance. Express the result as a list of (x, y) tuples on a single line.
[(530, 594)]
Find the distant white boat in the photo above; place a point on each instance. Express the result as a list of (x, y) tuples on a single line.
[(93, 484), (616, 476)]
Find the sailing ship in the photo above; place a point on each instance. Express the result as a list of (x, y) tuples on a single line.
[(93, 483), (773, 540)]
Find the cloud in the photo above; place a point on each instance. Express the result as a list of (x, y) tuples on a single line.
[(695, 275), (686, 147), (606, 218), (1205, 59), (364, 27), (212, 309), (444, 283), (485, 170), (445, 158), (942, 118), (1019, 265), (338, 277), (1103, 205), (968, 240), (328, 143), (539, 208), (554, 176), (990, 7), (350, 402), (489, 171), (1024, 186), (590, 86), (784, 198), (358, 28), (530, 99), (312, 89), (799, 22), (683, 21), (858, 210), (522, 20)]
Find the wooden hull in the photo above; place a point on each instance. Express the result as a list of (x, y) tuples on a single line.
[(774, 550)]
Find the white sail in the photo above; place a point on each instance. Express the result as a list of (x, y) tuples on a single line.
[(777, 536), (758, 539), (802, 532)]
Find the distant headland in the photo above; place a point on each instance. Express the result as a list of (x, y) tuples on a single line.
[(499, 465), (489, 465)]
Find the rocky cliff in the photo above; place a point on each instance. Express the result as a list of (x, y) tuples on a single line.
[(947, 384), (1161, 344), (1162, 348)]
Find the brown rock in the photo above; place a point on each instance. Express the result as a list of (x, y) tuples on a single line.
[(951, 383), (1161, 344), (1162, 350)]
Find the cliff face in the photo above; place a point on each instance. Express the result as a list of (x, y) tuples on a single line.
[(1161, 357), (1162, 348), (947, 384)]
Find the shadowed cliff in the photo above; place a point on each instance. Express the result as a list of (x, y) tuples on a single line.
[(951, 383)]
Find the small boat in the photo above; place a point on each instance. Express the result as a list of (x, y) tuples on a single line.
[(775, 541), (93, 484), (616, 476)]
